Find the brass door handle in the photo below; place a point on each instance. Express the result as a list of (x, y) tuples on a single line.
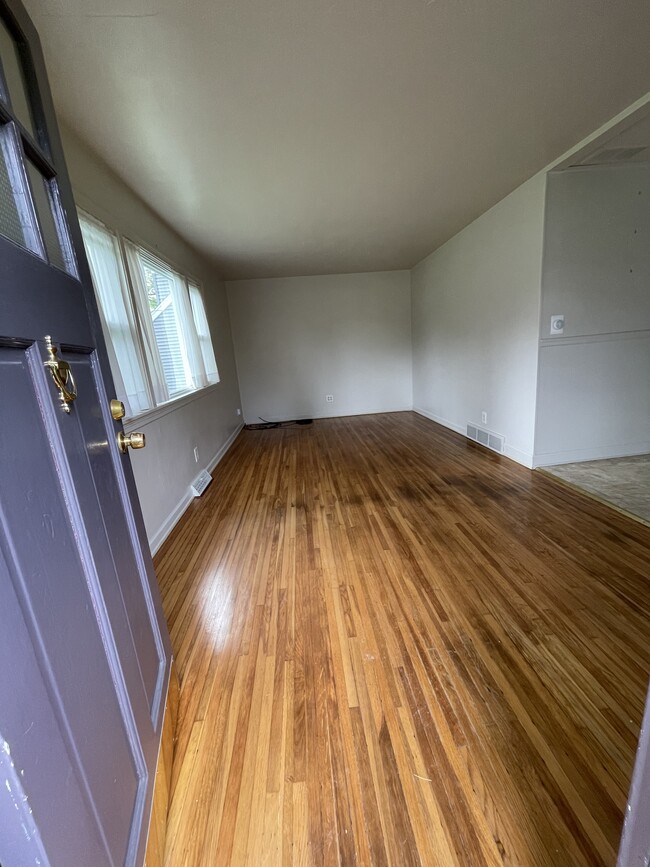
[(132, 440)]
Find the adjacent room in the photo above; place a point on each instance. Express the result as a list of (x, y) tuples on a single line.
[(593, 399), (368, 287)]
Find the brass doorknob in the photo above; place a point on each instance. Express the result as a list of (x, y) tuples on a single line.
[(117, 409), (132, 440)]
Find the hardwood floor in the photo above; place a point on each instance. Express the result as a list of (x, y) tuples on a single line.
[(396, 648)]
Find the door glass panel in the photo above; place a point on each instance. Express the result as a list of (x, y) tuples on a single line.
[(43, 201), (12, 222), (15, 79)]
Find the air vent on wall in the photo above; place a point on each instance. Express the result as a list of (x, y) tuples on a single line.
[(612, 156), (201, 483), (486, 438)]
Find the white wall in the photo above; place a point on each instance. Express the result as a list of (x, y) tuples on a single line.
[(594, 380), (300, 338), (476, 320), (208, 419)]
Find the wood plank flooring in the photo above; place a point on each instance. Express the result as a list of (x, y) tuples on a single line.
[(396, 648)]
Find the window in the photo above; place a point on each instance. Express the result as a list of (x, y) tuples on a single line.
[(156, 329), (160, 290)]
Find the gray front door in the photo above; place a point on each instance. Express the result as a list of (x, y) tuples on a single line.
[(84, 651), (635, 844)]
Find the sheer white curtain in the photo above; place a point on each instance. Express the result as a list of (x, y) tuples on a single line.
[(143, 312), (118, 321), (198, 373), (203, 334)]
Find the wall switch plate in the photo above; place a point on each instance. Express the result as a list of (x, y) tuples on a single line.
[(483, 417), (238, 412), (329, 398), (557, 324), (196, 454)]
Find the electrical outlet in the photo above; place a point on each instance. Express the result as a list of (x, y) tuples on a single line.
[(329, 398), (557, 324), (238, 412), (196, 454), (484, 417)]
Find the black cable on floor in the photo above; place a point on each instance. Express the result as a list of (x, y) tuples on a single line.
[(270, 425)]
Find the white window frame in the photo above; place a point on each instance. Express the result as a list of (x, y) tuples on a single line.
[(158, 407)]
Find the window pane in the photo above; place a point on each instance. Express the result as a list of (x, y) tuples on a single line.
[(160, 287), (11, 224), (118, 320), (15, 79), (203, 333), (44, 204)]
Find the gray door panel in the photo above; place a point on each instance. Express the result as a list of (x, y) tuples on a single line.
[(635, 843), (37, 299), (125, 590), (54, 577), (32, 753)]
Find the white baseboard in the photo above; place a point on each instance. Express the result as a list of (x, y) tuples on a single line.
[(169, 523), (439, 420), (224, 448), (175, 515), (339, 414), (510, 451), (597, 453), (520, 457)]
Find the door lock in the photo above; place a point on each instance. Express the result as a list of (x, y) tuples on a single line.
[(117, 409), (132, 440)]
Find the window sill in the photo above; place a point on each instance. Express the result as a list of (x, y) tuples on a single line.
[(149, 415)]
